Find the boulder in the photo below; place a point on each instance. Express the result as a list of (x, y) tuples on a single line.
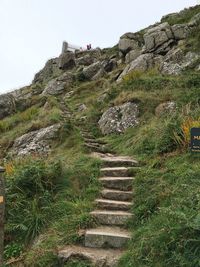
[(90, 71), (175, 55), (130, 41), (132, 55), (7, 105), (159, 39), (117, 119), (170, 68), (165, 108), (35, 142), (58, 85), (47, 72), (66, 61), (180, 31), (86, 60), (143, 63)]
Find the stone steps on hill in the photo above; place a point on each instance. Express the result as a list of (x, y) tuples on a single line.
[(105, 236), (111, 217), (119, 183), (108, 204), (115, 171), (117, 194), (97, 257), (103, 244)]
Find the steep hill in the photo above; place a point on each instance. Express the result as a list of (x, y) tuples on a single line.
[(137, 99)]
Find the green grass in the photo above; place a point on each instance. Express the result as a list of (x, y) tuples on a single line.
[(183, 17)]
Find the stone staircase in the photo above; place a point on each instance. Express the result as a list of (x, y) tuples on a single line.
[(104, 245)]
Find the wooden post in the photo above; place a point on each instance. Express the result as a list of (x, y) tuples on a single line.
[(2, 211)]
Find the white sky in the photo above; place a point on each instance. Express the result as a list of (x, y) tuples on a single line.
[(32, 31)]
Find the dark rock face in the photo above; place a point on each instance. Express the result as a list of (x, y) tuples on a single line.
[(7, 105), (66, 61), (117, 119)]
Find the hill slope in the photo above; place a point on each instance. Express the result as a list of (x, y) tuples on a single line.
[(141, 97)]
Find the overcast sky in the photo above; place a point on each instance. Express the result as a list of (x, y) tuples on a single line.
[(32, 31)]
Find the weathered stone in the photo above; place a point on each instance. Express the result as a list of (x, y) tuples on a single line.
[(67, 60), (165, 108), (171, 68), (7, 105), (180, 31), (59, 85), (90, 71), (130, 41), (118, 183), (175, 55), (117, 194), (109, 204), (50, 68), (86, 60), (191, 60), (99, 74), (126, 45), (115, 171), (132, 55), (143, 63), (97, 257), (119, 118), (111, 217), (95, 54), (36, 142), (158, 39), (113, 237)]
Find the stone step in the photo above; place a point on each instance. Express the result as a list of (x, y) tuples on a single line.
[(106, 237), (111, 217), (119, 183), (110, 160), (113, 204), (95, 148), (119, 162), (117, 194), (93, 140), (97, 257), (115, 171)]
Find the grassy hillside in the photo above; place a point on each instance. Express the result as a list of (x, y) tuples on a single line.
[(49, 198)]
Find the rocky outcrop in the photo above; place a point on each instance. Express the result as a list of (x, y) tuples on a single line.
[(7, 105), (90, 71), (143, 63), (130, 41), (180, 31), (50, 68), (36, 142), (159, 39), (119, 118), (59, 85)]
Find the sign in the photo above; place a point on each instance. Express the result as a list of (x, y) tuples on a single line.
[(195, 140), (1, 199)]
